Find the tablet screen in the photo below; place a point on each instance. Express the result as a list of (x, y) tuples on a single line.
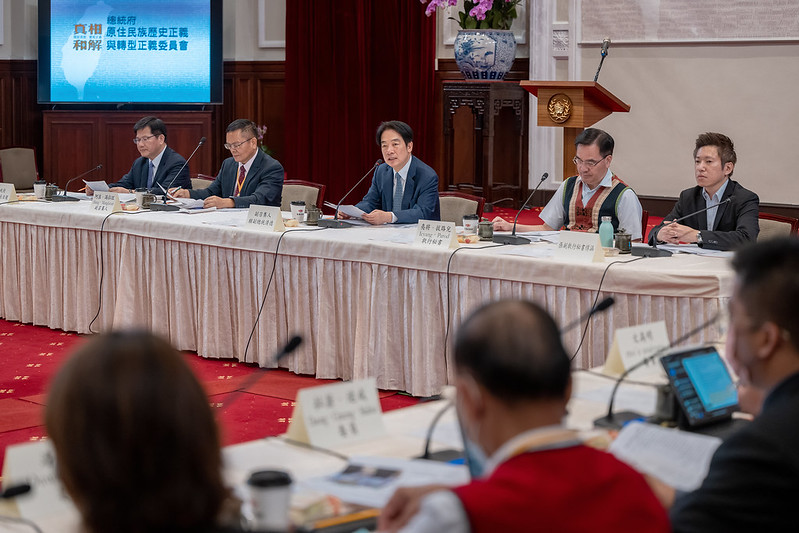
[(702, 385)]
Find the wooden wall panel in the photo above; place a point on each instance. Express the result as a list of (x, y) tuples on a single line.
[(76, 141), (20, 115)]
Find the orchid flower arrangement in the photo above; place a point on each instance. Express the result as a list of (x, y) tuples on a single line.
[(261, 134), (479, 14)]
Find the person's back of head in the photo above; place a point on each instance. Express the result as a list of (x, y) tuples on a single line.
[(136, 442), (514, 350), (768, 284)]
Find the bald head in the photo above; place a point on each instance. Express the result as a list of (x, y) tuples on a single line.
[(513, 349)]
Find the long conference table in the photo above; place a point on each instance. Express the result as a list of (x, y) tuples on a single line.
[(367, 302)]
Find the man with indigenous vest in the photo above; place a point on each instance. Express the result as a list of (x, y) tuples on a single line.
[(581, 201), (511, 399)]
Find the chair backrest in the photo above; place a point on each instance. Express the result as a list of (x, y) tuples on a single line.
[(644, 222), (18, 166), (455, 205), (202, 181), (307, 191), (772, 226)]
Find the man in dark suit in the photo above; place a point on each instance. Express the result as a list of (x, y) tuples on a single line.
[(753, 479), (720, 228), (158, 162), (404, 189), (248, 177)]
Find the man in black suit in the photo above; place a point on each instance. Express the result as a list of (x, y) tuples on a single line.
[(249, 177), (753, 479), (720, 228), (158, 162)]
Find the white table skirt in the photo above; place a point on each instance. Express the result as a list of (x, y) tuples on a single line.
[(365, 303)]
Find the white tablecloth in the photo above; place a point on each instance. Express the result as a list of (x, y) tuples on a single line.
[(366, 301)]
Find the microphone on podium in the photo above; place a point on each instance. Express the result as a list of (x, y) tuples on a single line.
[(64, 197), (164, 206), (513, 238), (335, 222), (604, 53), (654, 251)]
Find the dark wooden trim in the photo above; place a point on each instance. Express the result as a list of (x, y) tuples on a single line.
[(20, 114)]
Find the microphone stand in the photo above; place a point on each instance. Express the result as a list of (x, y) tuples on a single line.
[(604, 53), (513, 238), (598, 308), (616, 420), (654, 251), (164, 206), (64, 197), (335, 222)]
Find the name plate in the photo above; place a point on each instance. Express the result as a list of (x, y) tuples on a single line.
[(8, 193), (336, 414), (34, 463), (436, 234), (265, 218), (106, 202), (579, 247), (634, 344)]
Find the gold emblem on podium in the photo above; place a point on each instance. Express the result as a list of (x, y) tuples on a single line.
[(559, 108)]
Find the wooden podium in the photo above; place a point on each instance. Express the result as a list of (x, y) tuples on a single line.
[(573, 106)]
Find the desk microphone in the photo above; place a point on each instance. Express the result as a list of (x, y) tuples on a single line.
[(654, 251), (253, 378), (15, 490), (64, 197), (164, 206), (598, 308), (513, 238), (617, 420), (604, 53), (335, 222)]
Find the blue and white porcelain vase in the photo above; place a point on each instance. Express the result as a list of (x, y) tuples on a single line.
[(485, 54)]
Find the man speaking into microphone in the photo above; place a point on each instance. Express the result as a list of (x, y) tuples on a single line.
[(719, 228), (158, 162), (248, 177), (404, 190)]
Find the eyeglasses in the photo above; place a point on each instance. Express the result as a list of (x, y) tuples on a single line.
[(589, 164), (138, 140), (229, 146)]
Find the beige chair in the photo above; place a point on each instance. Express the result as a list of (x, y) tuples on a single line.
[(455, 205), (18, 166), (202, 181), (309, 192), (772, 226)]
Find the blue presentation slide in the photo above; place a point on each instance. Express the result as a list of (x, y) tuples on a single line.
[(123, 51), (711, 380)]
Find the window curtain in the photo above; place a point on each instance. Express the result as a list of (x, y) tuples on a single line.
[(351, 64)]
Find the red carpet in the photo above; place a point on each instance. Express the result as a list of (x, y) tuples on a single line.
[(32, 355)]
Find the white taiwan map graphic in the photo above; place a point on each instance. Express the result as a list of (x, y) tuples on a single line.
[(79, 65)]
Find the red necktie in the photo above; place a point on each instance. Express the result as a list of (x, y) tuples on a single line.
[(240, 181)]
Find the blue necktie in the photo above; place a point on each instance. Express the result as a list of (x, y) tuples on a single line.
[(397, 193), (150, 175)]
